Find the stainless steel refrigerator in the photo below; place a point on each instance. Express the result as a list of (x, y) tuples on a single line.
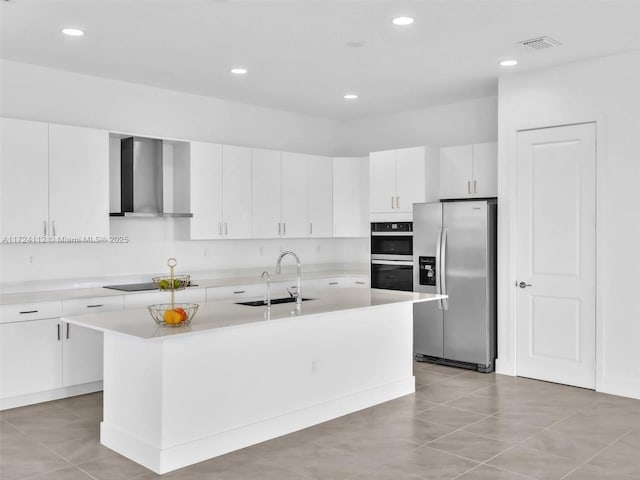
[(454, 253)]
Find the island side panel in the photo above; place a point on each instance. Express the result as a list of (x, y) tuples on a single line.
[(132, 405), (227, 389)]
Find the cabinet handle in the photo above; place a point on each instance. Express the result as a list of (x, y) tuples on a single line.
[(359, 283), (239, 291), (475, 186), (28, 311), (284, 228), (469, 186), (226, 230), (44, 224), (333, 283), (310, 228), (220, 228), (397, 202), (392, 202), (58, 331), (53, 228), (279, 228), (67, 331), (95, 306)]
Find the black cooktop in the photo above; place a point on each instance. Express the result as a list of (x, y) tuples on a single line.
[(133, 287)]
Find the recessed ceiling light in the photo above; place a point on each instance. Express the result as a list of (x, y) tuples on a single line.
[(402, 21), (73, 32), (239, 71), (350, 96), (508, 63)]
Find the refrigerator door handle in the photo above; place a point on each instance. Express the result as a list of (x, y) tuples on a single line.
[(443, 267), (438, 270)]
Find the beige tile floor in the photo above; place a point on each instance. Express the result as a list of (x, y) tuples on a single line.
[(458, 425)]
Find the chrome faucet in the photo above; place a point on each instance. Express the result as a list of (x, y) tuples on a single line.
[(298, 294), (268, 297)]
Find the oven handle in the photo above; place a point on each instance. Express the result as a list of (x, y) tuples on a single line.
[(392, 234), (408, 263)]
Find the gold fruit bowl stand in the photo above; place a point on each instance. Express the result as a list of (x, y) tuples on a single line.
[(172, 314)]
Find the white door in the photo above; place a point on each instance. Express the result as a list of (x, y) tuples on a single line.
[(78, 181), (382, 181), (556, 254), (456, 171), (206, 190), (320, 196), (24, 178), (265, 194), (236, 192), (485, 170), (411, 178), (293, 195)]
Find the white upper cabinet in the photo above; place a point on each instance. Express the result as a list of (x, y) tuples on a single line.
[(350, 197), (382, 181), (220, 191), (236, 191), (293, 194), (469, 171), (55, 180), (400, 178), (206, 190), (265, 194), (320, 196), (24, 178)]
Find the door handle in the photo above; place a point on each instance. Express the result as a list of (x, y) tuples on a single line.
[(397, 202), (469, 187), (310, 228), (226, 231), (475, 186), (392, 203), (67, 331), (524, 285), (45, 227), (438, 269), (443, 269), (53, 228), (220, 228)]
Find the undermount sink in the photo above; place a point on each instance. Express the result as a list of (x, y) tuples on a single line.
[(274, 301)]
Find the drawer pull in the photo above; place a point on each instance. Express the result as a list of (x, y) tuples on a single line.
[(359, 283), (95, 306), (28, 311), (67, 331), (58, 332), (240, 291), (333, 283)]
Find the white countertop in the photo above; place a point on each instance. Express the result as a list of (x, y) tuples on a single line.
[(44, 291), (215, 315)]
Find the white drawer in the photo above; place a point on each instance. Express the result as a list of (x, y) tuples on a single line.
[(19, 312), (237, 291), (358, 281), (333, 282), (79, 306), (142, 300)]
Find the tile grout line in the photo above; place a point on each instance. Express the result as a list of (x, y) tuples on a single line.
[(596, 454)]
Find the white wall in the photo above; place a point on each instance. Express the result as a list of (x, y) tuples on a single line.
[(38, 93), (471, 121), (606, 91), (44, 94)]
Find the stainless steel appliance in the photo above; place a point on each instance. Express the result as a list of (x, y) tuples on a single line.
[(392, 255), (454, 253)]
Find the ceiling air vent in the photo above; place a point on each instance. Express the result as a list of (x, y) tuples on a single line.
[(540, 43)]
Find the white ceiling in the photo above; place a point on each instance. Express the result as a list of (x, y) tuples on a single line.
[(296, 51)]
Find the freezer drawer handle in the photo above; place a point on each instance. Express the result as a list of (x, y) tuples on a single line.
[(524, 285)]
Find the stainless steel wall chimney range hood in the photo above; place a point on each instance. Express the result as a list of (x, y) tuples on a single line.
[(141, 190)]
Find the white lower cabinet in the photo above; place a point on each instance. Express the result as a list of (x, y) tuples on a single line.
[(41, 355), (30, 357), (345, 281), (239, 292)]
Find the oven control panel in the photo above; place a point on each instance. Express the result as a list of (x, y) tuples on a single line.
[(427, 267)]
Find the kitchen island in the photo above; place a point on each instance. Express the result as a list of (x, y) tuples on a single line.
[(240, 375)]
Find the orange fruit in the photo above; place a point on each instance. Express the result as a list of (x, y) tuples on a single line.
[(172, 317), (183, 314)]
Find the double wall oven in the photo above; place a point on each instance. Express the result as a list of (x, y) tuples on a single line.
[(392, 255)]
